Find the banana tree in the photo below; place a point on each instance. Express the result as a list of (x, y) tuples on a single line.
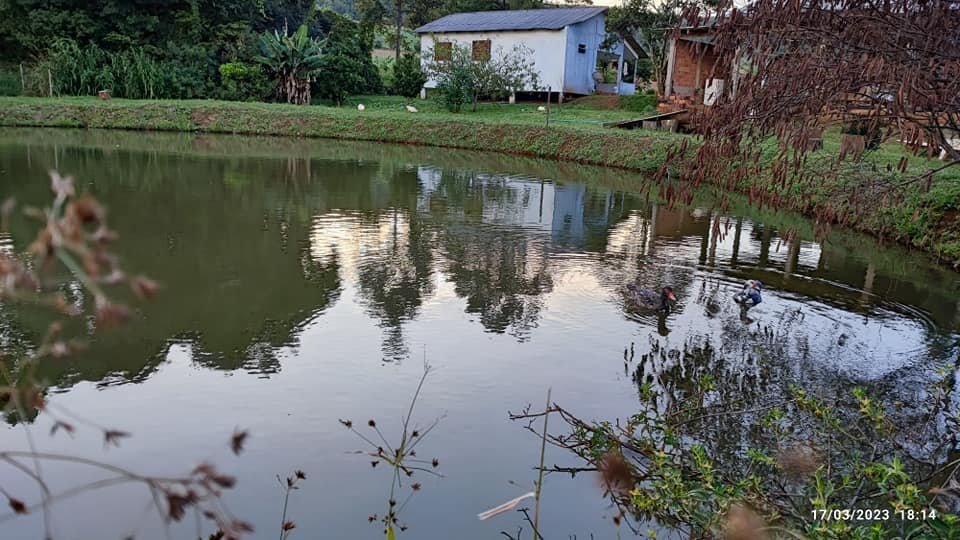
[(293, 59)]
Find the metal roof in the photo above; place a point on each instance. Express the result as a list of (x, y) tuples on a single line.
[(519, 19)]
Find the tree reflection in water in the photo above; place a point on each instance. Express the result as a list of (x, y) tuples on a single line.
[(252, 250)]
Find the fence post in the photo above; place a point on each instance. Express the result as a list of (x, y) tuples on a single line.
[(548, 106), (50, 81)]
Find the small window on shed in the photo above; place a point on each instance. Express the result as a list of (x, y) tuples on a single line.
[(481, 50), (582, 48), (443, 51)]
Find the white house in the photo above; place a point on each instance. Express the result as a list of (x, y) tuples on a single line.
[(564, 41)]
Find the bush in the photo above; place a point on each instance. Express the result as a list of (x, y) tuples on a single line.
[(190, 71), (455, 78), (609, 75), (340, 76), (134, 74), (456, 88), (242, 82), (639, 102), (502, 74), (372, 83), (409, 77), (386, 69), (76, 71), (10, 84)]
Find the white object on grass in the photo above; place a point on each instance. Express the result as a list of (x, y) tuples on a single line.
[(542, 108), (507, 506), (360, 107), (411, 108)]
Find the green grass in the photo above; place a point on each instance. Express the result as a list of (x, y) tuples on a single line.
[(926, 219), (495, 128), (578, 113), (910, 213), (890, 154)]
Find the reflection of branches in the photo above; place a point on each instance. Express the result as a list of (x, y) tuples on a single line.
[(799, 454)]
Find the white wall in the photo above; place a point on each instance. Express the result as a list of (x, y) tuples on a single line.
[(548, 50)]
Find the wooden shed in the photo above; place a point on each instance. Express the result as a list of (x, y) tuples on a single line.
[(690, 64)]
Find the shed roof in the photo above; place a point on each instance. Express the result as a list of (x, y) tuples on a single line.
[(519, 19)]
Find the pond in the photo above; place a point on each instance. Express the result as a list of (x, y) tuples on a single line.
[(305, 282)]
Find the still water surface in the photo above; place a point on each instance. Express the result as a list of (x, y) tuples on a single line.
[(307, 281)]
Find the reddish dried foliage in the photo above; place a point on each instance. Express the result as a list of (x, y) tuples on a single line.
[(799, 66), (616, 474), (74, 237)]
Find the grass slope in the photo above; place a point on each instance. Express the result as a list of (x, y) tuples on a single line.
[(578, 140)]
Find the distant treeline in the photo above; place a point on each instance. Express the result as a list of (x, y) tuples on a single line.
[(196, 48), (153, 49)]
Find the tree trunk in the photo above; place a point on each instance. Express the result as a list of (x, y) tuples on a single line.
[(288, 87), (294, 90), (399, 4), (659, 67)]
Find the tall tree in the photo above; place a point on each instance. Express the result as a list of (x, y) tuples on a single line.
[(29, 27), (647, 23), (421, 12), (372, 14), (408, 76), (346, 67), (398, 17)]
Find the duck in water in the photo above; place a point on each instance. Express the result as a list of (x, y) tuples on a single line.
[(750, 295), (651, 299)]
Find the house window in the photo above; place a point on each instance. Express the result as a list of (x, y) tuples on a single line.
[(481, 50), (582, 48), (443, 51)]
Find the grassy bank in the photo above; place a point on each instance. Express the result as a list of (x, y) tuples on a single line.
[(524, 133), (929, 220)]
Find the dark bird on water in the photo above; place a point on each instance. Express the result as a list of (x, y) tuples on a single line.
[(651, 299)]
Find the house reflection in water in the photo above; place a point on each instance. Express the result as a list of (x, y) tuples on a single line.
[(503, 241), (576, 217), (254, 250)]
